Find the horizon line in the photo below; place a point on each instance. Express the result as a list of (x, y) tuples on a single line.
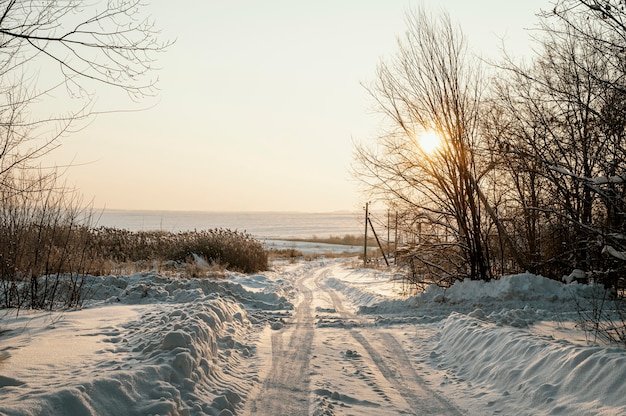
[(156, 210)]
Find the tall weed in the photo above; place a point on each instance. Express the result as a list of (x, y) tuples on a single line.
[(48, 246)]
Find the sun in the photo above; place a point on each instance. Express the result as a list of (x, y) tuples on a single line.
[(429, 142)]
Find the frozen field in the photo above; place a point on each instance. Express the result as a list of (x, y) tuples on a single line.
[(263, 225)]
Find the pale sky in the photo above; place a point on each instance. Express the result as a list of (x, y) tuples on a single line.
[(260, 103)]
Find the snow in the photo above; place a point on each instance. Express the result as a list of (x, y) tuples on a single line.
[(614, 253), (347, 340), (308, 247), (603, 180)]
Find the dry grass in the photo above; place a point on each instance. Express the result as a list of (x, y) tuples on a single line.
[(230, 249), (290, 254), (43, 265)]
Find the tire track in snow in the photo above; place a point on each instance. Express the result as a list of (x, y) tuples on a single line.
[(397, 369), (394, 365), (285, 390)]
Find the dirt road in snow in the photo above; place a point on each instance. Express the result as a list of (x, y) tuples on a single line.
[(326, 360)]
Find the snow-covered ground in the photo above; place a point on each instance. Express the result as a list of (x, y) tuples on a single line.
[(323, 337), (311, 247)]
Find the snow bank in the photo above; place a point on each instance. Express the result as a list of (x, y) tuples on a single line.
[(539, 373), (510, 297), (357, 295), (371, 289), (146, 344), (492, 346), (522, 287), (142, 288), (166, 362)]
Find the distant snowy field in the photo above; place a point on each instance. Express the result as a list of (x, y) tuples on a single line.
[(149, 344), (274, 229), (309, 247), (262, 225)]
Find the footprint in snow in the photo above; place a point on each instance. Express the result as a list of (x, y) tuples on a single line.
[(351, 354)]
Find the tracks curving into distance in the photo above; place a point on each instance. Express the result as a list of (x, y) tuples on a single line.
[(382, 379)]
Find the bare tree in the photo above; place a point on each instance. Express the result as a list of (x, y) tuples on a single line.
[(52, 49), (518, 188), (601, 25), (106, 41), (433, 84), (80, 44), (558, 124)]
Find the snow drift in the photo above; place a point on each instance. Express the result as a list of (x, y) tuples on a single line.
[(171, 347)]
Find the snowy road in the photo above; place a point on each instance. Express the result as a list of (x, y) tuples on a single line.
[(319, 337), (285, 391), (330, 361)]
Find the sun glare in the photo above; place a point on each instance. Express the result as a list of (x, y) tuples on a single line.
[(429, 142)]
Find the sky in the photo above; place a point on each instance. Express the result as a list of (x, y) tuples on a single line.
[(260, 103)]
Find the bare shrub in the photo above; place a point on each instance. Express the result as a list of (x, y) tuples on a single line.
[(46, 252), (603, 316), (44, 249), (230, 249), (290, 254)]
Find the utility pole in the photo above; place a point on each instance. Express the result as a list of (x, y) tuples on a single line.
[(388, 231), (395, 243), (380, 246), (365, 238)]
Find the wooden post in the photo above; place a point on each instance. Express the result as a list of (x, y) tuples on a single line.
[(365, 237), (395, 243), (388, 231), (378, 242)]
